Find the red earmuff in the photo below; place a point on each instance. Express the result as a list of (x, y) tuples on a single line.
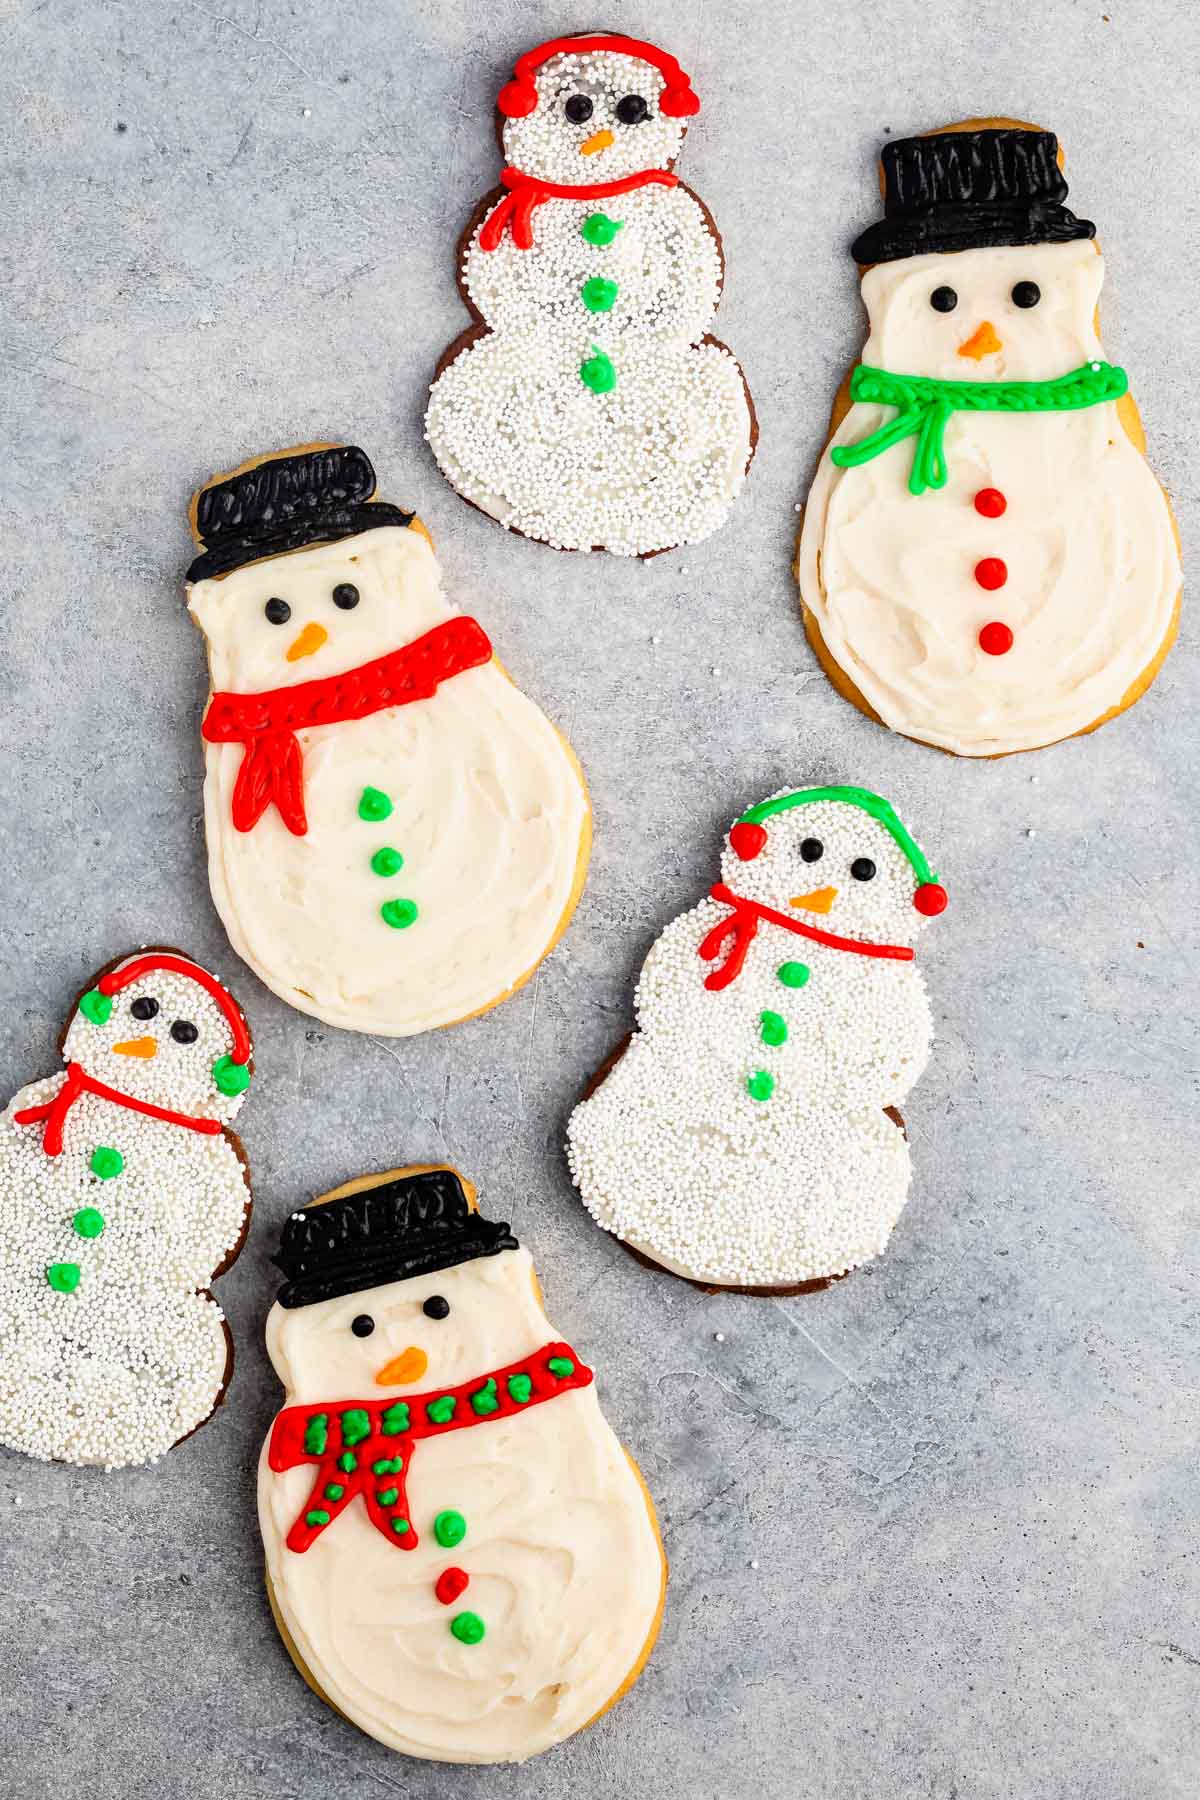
[(931, 899), (518, 97), (747, 840)]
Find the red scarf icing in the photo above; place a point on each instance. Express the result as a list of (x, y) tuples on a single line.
[(743, 923), (271, 773), (55, 1110), (515, 210), (366, 1446)]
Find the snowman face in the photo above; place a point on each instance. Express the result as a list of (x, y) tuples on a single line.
[(159, 1043), (1007, 314), (831, 865), (321, 611), (597, 119), (407, 1337)]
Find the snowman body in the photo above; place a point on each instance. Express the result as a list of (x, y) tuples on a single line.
[(132, 1358), (1058, 507), (559, 1546), (625, 284), (741, 1139), (486, 807)]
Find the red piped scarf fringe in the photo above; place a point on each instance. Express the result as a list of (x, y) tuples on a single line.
[(743, 922), (54, 1111), (515, 210)]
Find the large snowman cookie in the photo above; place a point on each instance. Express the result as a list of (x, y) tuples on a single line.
[(396, 835), (747, 1136), (122, 1195), (461, 1557), (986, 561), (589, 406)]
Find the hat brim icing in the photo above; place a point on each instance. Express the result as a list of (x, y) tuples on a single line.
[(257, 544), (376, 1266), (979, 226)]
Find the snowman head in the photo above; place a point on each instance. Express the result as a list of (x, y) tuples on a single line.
[(397, 1284), (584, 111), (161, 1029), (835, 858), (301, 574)]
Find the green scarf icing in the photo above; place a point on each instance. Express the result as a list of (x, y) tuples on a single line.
[(924, 406)]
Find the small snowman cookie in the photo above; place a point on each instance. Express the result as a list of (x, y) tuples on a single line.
[(747, 1136), (461, 1557), (396, 835), (123, 1195), (986, 562), (589, 406)]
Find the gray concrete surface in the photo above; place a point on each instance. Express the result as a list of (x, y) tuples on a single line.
[(932, 1533)]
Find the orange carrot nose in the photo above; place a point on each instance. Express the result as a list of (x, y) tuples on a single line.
[(146, 1046), (981, 343), (820, 900), (599, 140), (410, 1365), (310, 639)]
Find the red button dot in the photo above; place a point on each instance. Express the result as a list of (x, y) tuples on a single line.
[(990, 502), (996, 639), (991, 572), (450, 1584)]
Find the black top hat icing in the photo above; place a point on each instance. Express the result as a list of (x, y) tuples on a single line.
[(410, 1225), (284, 503), (969, 190)]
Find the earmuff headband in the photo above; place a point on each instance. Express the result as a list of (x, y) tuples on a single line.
[(519, 97), (930, 898), (116, 979)]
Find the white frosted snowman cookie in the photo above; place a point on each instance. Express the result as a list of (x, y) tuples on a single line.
[(396, 835), (747, 1136), (122, 1195), (986, 562), (461, 1557), (589, 406)]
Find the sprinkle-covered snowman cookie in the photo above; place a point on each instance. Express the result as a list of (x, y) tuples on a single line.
[(986, 562), (461, 1557), (122, 1194), (589, 406), (743, 1138), (396, 835)]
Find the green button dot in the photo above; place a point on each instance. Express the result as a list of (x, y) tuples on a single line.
[(561, 1366), (106, 1162), (374, 805), (399, 914), (599, 294), (231, 1077), (63, 1277), (401, 1527), (760, 1085), (600, 230), (96, 1006), (88, 1222), (520, 1387), (773, 1028), (318, 1516), (449, 1528), (387, 861), (792, 974), (468, 1628), (598, 372)]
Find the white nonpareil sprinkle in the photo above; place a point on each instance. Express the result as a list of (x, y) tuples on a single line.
[(115, 1372), (659, 459), (674, 1155)]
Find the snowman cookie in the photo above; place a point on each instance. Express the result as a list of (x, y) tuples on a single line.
[(589, 406), (986, 561), (396, 835), (461, 1557), (122, 1195), (747, 1136)]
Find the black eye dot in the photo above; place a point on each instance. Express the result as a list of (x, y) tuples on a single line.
[(812, 849), (345, 595), (943, 299), (144, 1009), (578, 109), (184, 1032), (632, 109), (862, 869), (436, 1307), (278, 612), (362, 1325), (1026, 293)]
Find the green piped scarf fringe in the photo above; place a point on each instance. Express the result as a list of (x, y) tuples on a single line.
[(924, 406)]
